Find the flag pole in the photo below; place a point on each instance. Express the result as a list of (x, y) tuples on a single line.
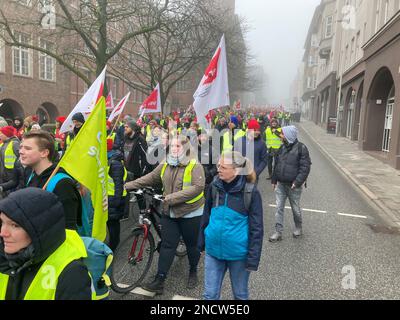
[(115, 125), (51, 176)]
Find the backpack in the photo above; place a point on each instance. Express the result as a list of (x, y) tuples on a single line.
[(247, 193), (99, 254)]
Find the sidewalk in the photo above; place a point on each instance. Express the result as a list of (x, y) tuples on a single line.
[(378, 181)]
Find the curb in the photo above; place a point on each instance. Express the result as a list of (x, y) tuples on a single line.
[(387, 214)]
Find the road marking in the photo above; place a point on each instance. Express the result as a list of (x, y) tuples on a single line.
[(308, 210), (143, 292), (318, 211), (352, 215), (177, 297)]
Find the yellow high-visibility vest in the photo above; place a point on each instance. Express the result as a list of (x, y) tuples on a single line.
[(111, 184), (112, 137), (72, 249), (227, 144), (187, 179), (9, 156), (272, 140)]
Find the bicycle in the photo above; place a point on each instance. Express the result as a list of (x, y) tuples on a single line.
[(134, 255)]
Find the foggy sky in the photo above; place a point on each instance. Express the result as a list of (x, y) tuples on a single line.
[(278, 29)]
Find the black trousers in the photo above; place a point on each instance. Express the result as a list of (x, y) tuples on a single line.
[(114, 230), (171, 232)]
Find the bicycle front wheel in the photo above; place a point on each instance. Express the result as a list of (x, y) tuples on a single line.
[(132, 261)]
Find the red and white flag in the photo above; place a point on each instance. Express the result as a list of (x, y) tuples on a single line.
[(213, 91), (87, 102), (153, 102), (119, 108), (238, 105), (110, 101)]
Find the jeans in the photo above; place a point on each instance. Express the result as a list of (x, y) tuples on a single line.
[(214, 275), (114, 229), (171, 232), (284, 191)]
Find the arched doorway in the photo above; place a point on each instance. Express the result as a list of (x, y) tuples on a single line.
[(10, 109), (380, 112), (349, 112), (339, 120), (357, 115), (388, 121), (47, 113)]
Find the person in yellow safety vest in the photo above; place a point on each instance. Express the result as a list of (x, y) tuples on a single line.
[(274, 143), (78, 120), (183, 181), (117, 176), (280, 118), (232, 135), (9, 153), (149, 131), (40, 259)]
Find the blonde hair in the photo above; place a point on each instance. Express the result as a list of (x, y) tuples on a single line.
[(245, 166)]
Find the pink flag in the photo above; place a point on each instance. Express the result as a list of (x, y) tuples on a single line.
[(213, 91), (87, 102), (119, 108), (153, 102)]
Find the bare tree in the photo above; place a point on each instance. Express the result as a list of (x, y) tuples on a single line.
[(89, 33)]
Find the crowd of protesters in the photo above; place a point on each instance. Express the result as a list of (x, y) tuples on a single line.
[(209, 180)]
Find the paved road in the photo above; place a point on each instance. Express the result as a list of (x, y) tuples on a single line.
[(338, 240)]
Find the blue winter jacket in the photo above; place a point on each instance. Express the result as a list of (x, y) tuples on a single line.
[(229, 232)]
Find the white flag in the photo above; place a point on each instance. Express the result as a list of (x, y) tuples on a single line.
[(87, 102), (213, 91), (152, 104), (119, 108)]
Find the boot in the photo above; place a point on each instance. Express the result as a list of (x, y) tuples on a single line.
[(193, 280), (157, 286), (277, 236), (298, 232)]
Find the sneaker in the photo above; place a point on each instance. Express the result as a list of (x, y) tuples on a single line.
[(157, 286), (277, 236), (193, 280), (298, 232)]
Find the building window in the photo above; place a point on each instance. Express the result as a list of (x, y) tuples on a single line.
[(21, 56), (386, 11), (27, 3), (181, 85), (377, 15), (2, 56), (314, 41), (358, 46), (47, 64), (42, 4), (329, 27)]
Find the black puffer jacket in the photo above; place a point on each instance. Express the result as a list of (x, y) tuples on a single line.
[(41, 215), (116, 203), (293, 164), (66, 191)]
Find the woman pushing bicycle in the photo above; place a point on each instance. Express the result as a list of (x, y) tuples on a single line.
[(183, 181)]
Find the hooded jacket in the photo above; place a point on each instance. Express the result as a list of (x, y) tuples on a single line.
[(229, 231), (41, 215), (292, 164)]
